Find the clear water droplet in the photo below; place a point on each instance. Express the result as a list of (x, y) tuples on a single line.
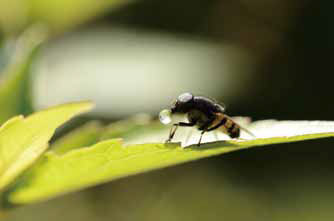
[(165, 116)]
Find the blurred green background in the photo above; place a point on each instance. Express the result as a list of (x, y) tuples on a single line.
[(264, 59)]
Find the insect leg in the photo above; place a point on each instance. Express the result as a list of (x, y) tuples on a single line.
[(204, 128), (171, 133), (174, 128), (200, 139)]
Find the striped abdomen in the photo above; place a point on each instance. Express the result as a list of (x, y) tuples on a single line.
[(227, 126)]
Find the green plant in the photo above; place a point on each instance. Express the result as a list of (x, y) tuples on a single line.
[(31, 171)]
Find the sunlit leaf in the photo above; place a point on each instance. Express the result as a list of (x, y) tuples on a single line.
[(23, 140), (93, 132), (109, 160)]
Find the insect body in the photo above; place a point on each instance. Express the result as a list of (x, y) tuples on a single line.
[(206, 114)]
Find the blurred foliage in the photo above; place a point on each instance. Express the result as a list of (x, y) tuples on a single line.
[(58, 15), (15, 85), (93, 132), (85, 135)]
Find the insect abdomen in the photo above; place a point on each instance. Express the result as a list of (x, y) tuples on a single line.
[(229, 127), (234, 132)]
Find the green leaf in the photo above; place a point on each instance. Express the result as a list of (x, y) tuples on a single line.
[(93, 132), (135, 126), (15, 84), (83, 136), (109, 160), (23, 140)]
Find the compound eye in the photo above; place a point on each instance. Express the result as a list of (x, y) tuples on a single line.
[(185, 97)]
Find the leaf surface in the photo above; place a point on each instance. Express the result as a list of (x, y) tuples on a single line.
[(111, 159), (23, 140)]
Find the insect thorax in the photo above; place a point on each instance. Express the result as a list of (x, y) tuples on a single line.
[(197, 116)]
